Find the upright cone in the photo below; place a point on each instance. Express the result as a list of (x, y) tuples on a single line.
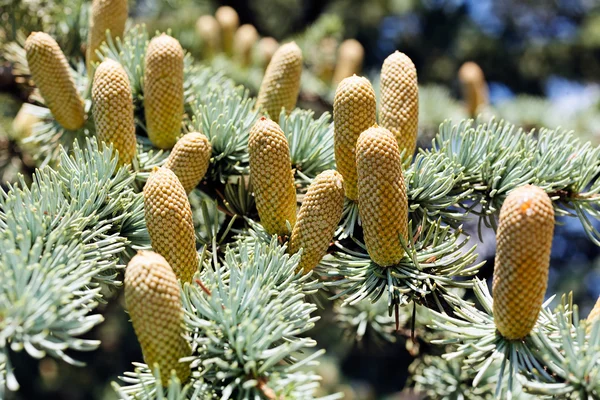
[(267, 47), (400, 100), (113, 109), (473, 86), (281, 83), (523, 242), (189, 159), (245, 39), (272, 177), (105, 15), (163, 91), (382, 198), (229, 21), (354, 111), (51, 73), (318, 218), (349, 60), (153, 300), (169, 221), (209, 31)]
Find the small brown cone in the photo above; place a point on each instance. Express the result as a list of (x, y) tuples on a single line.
[(523, 241), (267, 46), (113, 109), (189, 159), (163, 91), (169, 221), (400, 100), (382, 198), (354, 111), (349, 60), (228, 21), (104, 15), (51, 73), (474, 87), (153, 300), (209, 31), (318, 218), (272, 176), (243, 44), (281, 83)]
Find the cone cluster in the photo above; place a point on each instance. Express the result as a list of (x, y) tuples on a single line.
[(272, 176), (189, 159), (169, 221), (105, 15), (281, 83), (163, 90), (153, 299), (113, 109), (523, 241), (52, 75), (318, 218), (354, 111), (382, 197), (400, 100)]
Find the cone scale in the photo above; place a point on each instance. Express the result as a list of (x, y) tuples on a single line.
[(523, 241)]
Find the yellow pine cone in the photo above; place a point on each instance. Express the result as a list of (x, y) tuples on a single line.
[(349, 60), (113, 109), (594, 314), (281, 83), (318, 218), (189, 159), (169, 220), (354, 111), (272, 176), (244, 41), (473, 86), (153, 300), (51, 73), (523, 241), (104, 15), (382, 198), (209, 31), (400, 101), (229, 21), (163, 91), (267, 46), (325, 64)]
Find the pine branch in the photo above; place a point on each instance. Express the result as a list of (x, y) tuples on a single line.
[(63, 240)]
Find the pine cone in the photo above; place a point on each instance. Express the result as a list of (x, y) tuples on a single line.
[(400, 100), (354, 111), (169, 221), (153, 300), (349, 60), (272, 176), (229, 21), (267, 47), (104, 15), (209, 31), (113, 109), (382, 198), (523, 241), (245, 39), (163, 91), (318, 218), (51, 73), (189, 159), (281, 83), (473, 86)]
